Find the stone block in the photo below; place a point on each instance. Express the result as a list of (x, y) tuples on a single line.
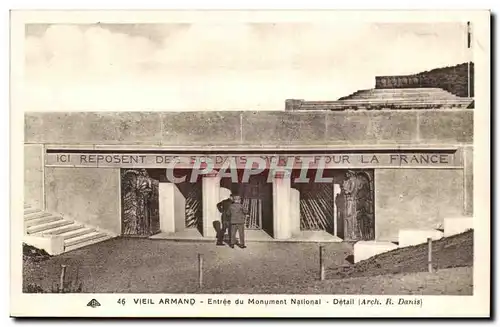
[(371, 127), (281, 209), (295, 211), (283, 128), (202, 128), (88, 195), (410, 237), (415, 199), (446, 126), (211, 196), (454, 226), (93, 127), (367, 249), (53, 245), (172, 208)]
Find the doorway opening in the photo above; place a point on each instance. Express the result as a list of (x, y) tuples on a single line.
[(257, 198), (343, 206)]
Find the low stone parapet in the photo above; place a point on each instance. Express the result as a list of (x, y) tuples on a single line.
[(367, 249), (410, 237), (454, 226)]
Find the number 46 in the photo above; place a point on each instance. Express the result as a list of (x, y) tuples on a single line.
[(121, 301)]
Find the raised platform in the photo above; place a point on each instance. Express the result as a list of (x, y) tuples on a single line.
[(251, 235)]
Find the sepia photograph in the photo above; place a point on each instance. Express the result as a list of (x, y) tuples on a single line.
[(227, 157)]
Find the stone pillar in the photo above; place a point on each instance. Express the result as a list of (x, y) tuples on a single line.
[(172, 208), (224, 193), (295, 211), (211, 196), (281, 207), (336, 191)]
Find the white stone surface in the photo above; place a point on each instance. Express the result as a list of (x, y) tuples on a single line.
[(211, 195), (281, 208), (295, 211), (172, 207), (367, 249), (453, 226), (410, 237), (336, 191), (224, 193), (53, 245)]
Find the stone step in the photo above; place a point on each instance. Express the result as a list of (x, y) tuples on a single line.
[(410, 90), (26, 206), (31, 210), (385, 105), (60, 230), (86, 243), (77, 232), (36, 215), (41, 220), (401, 99), (423, 96), (47, 226), (83, 238)]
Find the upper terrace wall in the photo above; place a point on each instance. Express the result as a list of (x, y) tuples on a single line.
[(230, 128), (453, 79)]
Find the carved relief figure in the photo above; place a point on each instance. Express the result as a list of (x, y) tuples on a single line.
[(364, 206), (358, 212), (137, 193), (351, 230)]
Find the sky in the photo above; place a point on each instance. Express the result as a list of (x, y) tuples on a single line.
[(236, 66)]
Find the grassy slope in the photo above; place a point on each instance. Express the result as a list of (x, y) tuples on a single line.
[(449, 252)]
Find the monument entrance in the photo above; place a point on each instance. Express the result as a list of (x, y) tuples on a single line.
[(256, 196)]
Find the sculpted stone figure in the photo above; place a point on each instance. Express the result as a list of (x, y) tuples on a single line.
[(350, 224), (137, 189), (358, 212)]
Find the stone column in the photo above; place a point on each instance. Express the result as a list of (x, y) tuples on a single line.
[(336, 191), (281, 207), (295, 211), (211, 196), (224, 193), (172, 208)]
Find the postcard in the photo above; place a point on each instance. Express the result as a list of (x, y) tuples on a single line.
[(250, 164)]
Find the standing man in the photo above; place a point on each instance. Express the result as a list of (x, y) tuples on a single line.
[(223, 208), (238, 217)]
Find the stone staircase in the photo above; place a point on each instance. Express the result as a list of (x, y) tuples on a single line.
[(44, 227), (384, 99), (410, 94)]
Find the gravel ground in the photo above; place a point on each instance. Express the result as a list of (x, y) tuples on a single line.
[(161, 266)]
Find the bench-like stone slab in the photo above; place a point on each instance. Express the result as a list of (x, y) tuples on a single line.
[(367, 249), (410, 237), (454, 226)]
